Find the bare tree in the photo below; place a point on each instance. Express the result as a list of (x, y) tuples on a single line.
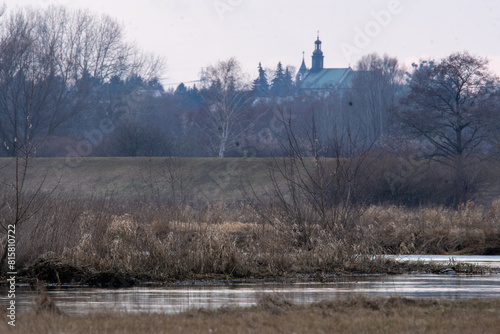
[(132, 138), (49, 60), (20, 201), (375, 89), (311, 190), (168, 180), (225, 104), (448, 106)]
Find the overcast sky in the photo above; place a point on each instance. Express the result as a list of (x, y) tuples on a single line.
[(192, 34)]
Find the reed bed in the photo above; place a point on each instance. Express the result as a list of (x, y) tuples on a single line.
[(172, 242)]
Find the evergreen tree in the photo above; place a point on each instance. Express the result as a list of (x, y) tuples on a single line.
[(194, 96), (154, 84), (134, 82), (288, 86), (115, 86), (260, 85), (181, 90), (277, 88)]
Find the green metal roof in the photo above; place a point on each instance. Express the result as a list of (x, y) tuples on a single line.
[(327, 78), (347, 82)]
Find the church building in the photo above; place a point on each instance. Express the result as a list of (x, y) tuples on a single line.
[(318, 78)]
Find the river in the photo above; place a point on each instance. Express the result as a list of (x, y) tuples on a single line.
[(171, 298)]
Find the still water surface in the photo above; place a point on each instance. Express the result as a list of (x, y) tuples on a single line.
[(177, 298), (480, 260)]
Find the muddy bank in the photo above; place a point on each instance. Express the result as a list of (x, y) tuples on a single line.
[(57, 271)]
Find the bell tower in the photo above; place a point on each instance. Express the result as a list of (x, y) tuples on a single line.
[(317, 57)]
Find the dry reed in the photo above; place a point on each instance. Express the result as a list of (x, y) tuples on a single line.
[(173, 242)]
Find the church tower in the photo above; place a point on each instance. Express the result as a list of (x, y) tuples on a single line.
[(317, 57), (302, 70), (321, 79)]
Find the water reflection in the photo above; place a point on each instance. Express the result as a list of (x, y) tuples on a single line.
[(171, 299), (492, 261)]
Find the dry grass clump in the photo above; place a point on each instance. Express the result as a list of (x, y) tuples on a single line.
[(43, 302), (470, 229), (274, 303), (352, 315), (150, 243)]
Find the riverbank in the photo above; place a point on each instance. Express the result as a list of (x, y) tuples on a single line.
[(238, 228), (116, 243), (56, 273), (273, 314)]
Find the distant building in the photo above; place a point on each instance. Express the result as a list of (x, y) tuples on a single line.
[(318, 78)]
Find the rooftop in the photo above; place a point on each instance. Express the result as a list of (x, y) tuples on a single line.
[(327, 78)]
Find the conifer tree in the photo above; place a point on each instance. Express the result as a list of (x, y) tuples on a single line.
[(181, 89), (260, 85), (288, 86), (277, 88)]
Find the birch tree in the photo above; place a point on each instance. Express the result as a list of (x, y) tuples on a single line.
[(224, 116)]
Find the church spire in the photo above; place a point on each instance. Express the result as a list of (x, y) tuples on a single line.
[(302, 70), (317, 57), (303, 66)]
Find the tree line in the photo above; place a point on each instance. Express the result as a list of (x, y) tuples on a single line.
[(61, 71), (72, 86)]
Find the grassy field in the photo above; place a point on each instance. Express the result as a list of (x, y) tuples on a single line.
[(131, 178), (202, 179), (275, 315)]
